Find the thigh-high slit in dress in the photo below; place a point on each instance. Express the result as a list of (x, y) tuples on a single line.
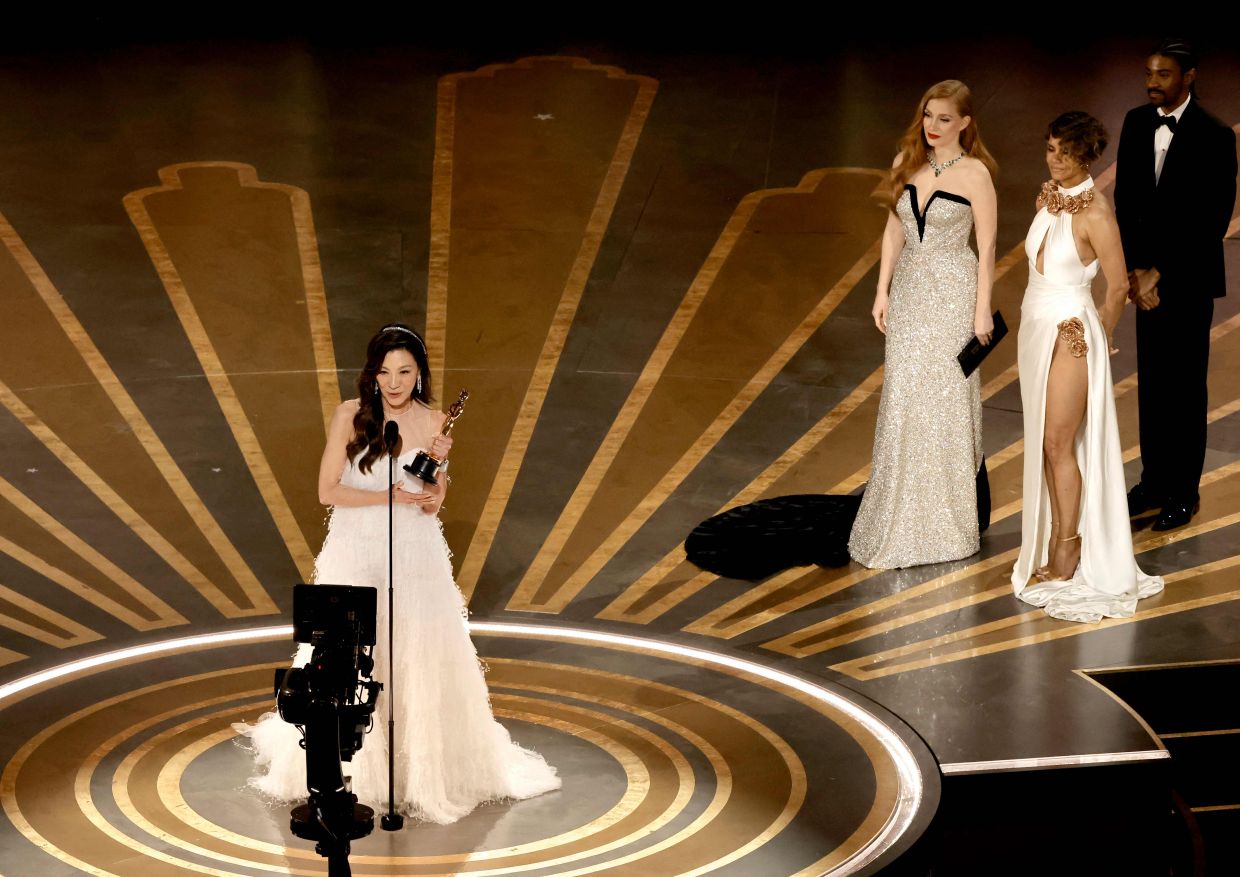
[(1059, 303)]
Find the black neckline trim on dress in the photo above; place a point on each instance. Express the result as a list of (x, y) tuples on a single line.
[(920, 214)]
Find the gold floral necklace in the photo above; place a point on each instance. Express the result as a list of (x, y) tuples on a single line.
[(1057, 200)]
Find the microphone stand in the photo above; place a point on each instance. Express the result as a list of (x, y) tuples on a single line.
[(391, 821)]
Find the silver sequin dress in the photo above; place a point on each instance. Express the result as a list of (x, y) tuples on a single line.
[(921, 503)]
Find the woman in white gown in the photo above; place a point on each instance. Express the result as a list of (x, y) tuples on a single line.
[(451, 754), (1075, 526)]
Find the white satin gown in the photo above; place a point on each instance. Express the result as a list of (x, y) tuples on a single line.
[(1108, 583), (451, 754)]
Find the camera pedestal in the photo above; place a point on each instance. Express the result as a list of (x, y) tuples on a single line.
[(333, 821)]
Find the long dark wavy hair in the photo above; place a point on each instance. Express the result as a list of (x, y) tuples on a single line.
[(368, 422)]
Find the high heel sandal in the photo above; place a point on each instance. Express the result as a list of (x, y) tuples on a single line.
[(1048, 577), (1043, 571)]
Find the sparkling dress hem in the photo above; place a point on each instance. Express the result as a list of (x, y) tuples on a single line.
[(920, 505)]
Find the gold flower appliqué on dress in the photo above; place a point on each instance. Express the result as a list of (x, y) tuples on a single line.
[(1073, 334)]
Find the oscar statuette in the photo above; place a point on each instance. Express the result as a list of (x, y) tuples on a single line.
[(425, 465)]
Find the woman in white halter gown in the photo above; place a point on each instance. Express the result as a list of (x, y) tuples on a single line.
[(451, 754), (1058, 312)]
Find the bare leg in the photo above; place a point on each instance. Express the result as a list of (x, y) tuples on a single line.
[(1045, 570), (1067, 392)]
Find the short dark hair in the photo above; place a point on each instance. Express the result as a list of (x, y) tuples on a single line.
[(1080, 135), (1180, 51)]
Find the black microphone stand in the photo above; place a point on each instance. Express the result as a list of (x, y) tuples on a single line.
[(391, 821)]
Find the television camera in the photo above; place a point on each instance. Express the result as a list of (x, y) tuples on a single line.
[(331, 700)]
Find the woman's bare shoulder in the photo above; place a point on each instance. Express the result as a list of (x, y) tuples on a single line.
[(428, 416), (1101, 203), (976, 175), (1099, 209), (346, 411)]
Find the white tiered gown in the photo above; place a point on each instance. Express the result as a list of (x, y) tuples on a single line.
[(1108, 581), (451, 754)]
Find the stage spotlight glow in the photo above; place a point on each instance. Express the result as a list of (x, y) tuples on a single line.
[(907, 771), (94, 662), (910, 779), (1006, 764)]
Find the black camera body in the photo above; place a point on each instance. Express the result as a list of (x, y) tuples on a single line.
[(338, 621), (331, 699)]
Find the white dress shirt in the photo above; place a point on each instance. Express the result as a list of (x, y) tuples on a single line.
[(1162, 137)]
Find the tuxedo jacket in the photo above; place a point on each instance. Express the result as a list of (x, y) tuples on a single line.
[(1177, 223)]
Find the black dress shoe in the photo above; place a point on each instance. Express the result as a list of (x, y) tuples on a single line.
[(1175, 516), (1140, 499)]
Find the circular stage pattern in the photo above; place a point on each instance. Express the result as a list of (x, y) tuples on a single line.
[(674, 760)]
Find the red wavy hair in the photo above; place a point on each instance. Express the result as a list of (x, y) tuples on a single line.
[(913, 146)]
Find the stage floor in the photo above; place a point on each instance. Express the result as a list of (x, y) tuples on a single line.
[(653, 271)]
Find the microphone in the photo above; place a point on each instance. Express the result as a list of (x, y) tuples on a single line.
[(391, 821)]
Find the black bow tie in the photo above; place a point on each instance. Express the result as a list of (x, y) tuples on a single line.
[(1169, 121)]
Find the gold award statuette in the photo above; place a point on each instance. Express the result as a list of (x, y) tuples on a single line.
[(425, 465)]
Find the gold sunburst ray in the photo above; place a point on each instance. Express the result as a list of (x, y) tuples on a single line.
[(1226, 350), (673, 579), (948, 593), (45, 545), (1197, 587), (88, 420), (814, 460), (536, 286), (9, 656), (40, 622), (799, 588), (988, 580), (239, 261), (618, 492)]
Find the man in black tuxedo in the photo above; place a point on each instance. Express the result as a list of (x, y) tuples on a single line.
[(1175, 187)]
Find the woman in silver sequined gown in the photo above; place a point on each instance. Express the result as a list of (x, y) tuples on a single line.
[(920, 505)]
